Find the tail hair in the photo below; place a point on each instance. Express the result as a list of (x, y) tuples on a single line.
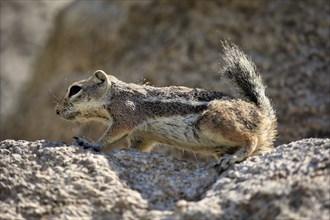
[(241, 71)]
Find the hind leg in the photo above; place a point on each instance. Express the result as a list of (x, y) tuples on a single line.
[(233, 125), (247, 150)]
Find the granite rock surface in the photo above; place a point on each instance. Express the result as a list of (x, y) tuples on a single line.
[(57, 181)]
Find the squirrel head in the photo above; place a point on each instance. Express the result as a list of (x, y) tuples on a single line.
[(85, 98)]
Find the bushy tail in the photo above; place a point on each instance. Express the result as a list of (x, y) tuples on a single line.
[(240, 70)]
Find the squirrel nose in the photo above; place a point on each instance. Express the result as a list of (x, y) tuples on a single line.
[(57, 111)]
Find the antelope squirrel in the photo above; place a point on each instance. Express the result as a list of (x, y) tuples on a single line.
[(229, 128)]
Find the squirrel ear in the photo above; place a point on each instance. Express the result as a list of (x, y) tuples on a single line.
[(100, 75)]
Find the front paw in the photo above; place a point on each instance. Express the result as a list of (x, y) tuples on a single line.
[(85, 144)]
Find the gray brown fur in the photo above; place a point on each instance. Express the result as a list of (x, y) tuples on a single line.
[(210, 122)]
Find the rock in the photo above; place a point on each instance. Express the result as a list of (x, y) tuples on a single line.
[(44, 179), (178, 43), (24, 29)]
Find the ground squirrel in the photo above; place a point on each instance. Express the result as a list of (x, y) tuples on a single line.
[(198, 120)]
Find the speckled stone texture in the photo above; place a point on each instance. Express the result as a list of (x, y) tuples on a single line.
[(57, 181)]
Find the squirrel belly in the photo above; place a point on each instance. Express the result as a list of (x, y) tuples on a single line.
[(210, 122)]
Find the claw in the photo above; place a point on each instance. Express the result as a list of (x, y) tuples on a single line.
[(85, 145), (224, 163), (78, 141), (96, 149), (218, 168)]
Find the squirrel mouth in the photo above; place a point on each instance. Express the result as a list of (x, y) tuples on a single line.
[(71, 116)]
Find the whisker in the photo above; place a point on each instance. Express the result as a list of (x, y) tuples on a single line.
[(55, 99)]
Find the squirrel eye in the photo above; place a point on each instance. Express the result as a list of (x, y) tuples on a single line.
[(74, 90)]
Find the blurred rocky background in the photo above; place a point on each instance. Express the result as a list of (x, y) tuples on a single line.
[(24, 28), (46, 45)]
